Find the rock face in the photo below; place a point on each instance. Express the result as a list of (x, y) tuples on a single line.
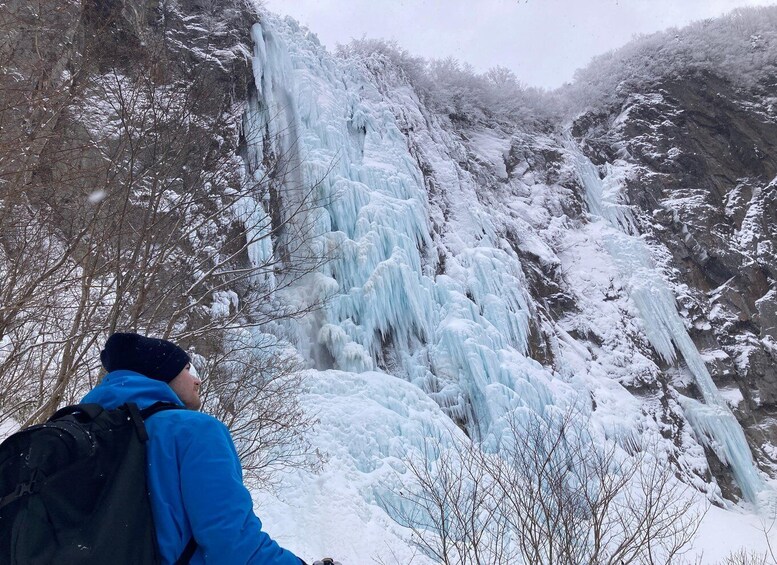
[(519, 192), (705, 187), (121, 130), (468, 264)]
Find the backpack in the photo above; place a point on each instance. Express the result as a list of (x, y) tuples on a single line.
[(73, 490)]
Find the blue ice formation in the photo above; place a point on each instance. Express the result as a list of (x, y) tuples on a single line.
[(461, 334), (712, 419), (437, 298)]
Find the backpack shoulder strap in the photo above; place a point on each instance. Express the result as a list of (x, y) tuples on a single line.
[(146, 413), (138, 416), (137, 420), (188, 552)]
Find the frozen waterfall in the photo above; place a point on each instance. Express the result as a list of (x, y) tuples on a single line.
[(460, 334), (711, 419), (429, 323)]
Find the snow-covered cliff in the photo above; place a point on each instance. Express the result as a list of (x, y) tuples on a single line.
[(481, 273), (453, 265)]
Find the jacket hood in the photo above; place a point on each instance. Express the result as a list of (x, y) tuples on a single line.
[(118, 387)]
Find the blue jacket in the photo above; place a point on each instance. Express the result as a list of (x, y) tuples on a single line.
[(194, 479)]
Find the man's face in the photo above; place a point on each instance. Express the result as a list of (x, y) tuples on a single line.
[(187, 387)]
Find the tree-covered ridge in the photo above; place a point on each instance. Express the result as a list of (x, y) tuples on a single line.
[(740, 46)]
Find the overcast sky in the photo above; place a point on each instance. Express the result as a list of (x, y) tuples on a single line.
[(542, 41)]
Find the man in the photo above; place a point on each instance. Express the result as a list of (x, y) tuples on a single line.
[(194, 475)]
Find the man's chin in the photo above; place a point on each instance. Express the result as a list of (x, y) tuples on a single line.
[(194, 405)]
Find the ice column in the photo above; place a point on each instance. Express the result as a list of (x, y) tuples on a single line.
[(462, 335), (664, 327)]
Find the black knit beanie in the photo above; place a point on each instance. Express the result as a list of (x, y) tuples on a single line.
[(154, 358)]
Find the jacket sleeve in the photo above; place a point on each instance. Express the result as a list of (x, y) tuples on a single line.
[(218, 505)]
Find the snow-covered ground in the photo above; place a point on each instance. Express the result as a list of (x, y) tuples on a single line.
[(725, 531)]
